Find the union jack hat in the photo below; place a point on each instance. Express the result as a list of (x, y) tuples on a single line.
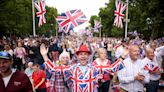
[(5, 55), (83, 48)]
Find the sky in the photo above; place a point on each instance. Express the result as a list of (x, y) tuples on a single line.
[(89, 7)]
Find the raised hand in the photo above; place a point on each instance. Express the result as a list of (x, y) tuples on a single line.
[(43, 50), (125, 52)]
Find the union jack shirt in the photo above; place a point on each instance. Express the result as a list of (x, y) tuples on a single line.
[(71, 19), (83, 78)]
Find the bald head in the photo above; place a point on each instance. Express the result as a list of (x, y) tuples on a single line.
[(131, 47), (150, 53), (133, 52)]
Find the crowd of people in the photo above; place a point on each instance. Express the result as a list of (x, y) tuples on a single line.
[(80, 64)]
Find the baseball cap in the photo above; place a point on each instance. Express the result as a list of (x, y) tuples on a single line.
[(5, 55)]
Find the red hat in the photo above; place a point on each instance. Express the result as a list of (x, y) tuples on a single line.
[(83, 48)]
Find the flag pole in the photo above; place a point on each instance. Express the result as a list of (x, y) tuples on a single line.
[(33, 18), (100, 29), (57, 29), (126, 26)]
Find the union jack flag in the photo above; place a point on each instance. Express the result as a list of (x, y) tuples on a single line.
[(120, 7), (71, 19), (117, 66), (151, 67), (40, 6), (97, 25)]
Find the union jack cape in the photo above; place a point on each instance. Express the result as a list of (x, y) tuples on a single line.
[(71, 19), (119, 13), (41, 11)]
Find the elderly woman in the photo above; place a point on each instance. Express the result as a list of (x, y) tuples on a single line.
[(57, 78), (101, 62)]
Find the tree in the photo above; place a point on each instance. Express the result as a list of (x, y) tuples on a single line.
[(16, 18), (140, 10), (91, 21)]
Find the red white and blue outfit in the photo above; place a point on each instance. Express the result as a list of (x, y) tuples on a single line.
[(103, 70), (79, 78)]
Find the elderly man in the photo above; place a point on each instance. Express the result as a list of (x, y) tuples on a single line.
[(133, 77), (12, 80), (154, 59)]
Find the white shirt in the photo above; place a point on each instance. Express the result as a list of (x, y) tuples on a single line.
[(159, 53), (6, 79), (157, 61), (127, 76)]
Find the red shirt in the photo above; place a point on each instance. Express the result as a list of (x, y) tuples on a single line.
[(37, 76)]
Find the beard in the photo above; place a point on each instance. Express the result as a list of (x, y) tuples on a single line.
[(5, 70)]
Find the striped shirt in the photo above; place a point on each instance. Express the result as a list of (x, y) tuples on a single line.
[(127, 76)]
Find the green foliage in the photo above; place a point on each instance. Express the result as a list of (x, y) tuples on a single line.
[(139, 11), (16, 18), (116, 32), (91, 21)]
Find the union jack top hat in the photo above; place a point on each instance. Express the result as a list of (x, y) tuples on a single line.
[(83, 48)]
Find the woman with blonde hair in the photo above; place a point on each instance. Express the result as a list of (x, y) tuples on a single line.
[(101, 62)]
